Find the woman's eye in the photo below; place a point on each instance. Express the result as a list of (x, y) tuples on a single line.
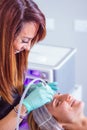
[(25, 41), (57, 102)]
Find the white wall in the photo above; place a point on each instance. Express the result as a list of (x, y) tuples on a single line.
[(64, 15)]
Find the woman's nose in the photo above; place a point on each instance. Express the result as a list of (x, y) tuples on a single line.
[(27, 47), (69, 98)]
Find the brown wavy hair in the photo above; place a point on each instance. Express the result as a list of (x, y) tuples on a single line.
[(32, 124), (13, 14)]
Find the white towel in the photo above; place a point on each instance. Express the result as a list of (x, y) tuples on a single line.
[(45, 120)]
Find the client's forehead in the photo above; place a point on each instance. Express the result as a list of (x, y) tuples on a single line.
[(60, 96)]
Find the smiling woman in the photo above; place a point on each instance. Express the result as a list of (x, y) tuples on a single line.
[(22, 24), (18, 19), (24, 40), (63, 109)]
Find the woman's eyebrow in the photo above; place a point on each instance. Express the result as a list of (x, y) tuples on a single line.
[(29, 38)]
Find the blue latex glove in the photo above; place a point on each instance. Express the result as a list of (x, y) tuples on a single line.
[(53, 86), (39, 95)]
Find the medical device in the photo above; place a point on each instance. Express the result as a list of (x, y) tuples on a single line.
[(53, 64), (24, 94)]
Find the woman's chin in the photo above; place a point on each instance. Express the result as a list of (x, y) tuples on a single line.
[(82, 105)]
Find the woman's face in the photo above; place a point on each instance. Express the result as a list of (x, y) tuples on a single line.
[(24, 39), (65, 108)]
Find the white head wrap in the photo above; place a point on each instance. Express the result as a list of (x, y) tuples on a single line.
[(45, 120)]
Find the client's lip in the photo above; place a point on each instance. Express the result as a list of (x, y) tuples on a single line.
[(72, 103)]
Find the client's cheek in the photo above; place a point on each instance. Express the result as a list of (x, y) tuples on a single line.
[(50, 108), (64, 113)]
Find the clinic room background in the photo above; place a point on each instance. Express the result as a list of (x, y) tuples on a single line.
[(67, 27)]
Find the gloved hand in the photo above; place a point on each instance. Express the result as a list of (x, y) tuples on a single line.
[(39, 95), (53, 86)]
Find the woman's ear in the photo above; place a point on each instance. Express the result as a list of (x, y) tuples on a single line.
[(64, 125), (69, 126)]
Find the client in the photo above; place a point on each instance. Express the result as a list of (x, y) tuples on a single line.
[(62, 110)]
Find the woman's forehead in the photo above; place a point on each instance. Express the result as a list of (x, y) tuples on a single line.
[(29, 29), (60, 96)]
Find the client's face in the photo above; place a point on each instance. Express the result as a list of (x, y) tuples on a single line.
[(65, 108)]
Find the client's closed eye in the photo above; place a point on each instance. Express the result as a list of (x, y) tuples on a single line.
[(56, 102)]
